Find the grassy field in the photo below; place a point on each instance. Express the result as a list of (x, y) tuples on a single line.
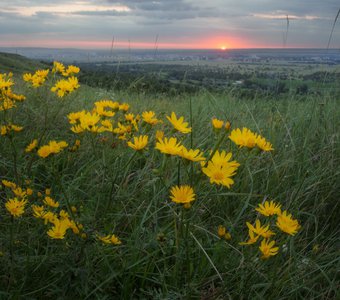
[(168, 251)]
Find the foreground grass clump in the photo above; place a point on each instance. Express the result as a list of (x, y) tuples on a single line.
[(125, 196)]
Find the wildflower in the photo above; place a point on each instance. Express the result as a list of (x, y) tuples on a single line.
[(263, 144), (6, 129), (122, 129), (129, 117), (49, 217), (37, 79), (227, 126), (58, 67), (244, 138), (71, 70), (267, 248), (124, 107), (220, 170), (179, 124), (59, 229), (221, 230), (29, 191), (52, 147), (192, 155), (38, 211), (16, 207), (252, 238), (260, 230), (75, 146), (74, 117), (269, 208), (8, 184), (63, 214), (50, 202), (106, 126), (216, 123), (110, 239), (73, 209), (183, 194), (101, 108), (223, 233), (159, 134), (64, 87), (169, 146), (149, 117), (31, 146), (19, 192), (287, 224), (139, 142)]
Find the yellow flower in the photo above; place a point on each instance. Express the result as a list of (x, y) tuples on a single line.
[(19, 192), (58, 67), (59, 229), (65, 86), (71, 70), (75, 146), (220, 170), (9, 184), (15, 207), (52, 147), (169, 146), (263, 144), (287, 224), (183, 194), (269, 208), (192, 155), (149, 117), (106, 126), (244, 138), (179, 124), (49, 217), (100, 108), (38, 211), (139, 142), (121, 129), (260, 230), (110, 239), (227, 126), (159, 134), (6, 129), (31, 146), (73, 118), (50, 202), (252, 239), (267, 248), (124, 107), (216, 123), (129, 117), (221, 230)]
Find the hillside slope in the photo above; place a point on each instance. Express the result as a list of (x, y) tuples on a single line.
[(18, 64)]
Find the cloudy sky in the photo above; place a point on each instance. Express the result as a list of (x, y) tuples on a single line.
[(168, 23)]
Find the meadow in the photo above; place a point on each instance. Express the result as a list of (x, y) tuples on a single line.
[(88, 211)]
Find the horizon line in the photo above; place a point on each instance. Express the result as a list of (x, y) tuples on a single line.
[(167, 49)]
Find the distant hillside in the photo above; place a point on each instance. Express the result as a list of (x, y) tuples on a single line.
[(18, 64)]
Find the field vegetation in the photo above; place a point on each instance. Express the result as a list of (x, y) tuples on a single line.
[(102, 197)]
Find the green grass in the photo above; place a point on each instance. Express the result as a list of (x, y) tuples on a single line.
[(132, 201)]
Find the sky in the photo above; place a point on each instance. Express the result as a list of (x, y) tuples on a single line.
[(199, 24)]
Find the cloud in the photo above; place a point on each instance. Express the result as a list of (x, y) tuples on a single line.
[(262, 21)]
